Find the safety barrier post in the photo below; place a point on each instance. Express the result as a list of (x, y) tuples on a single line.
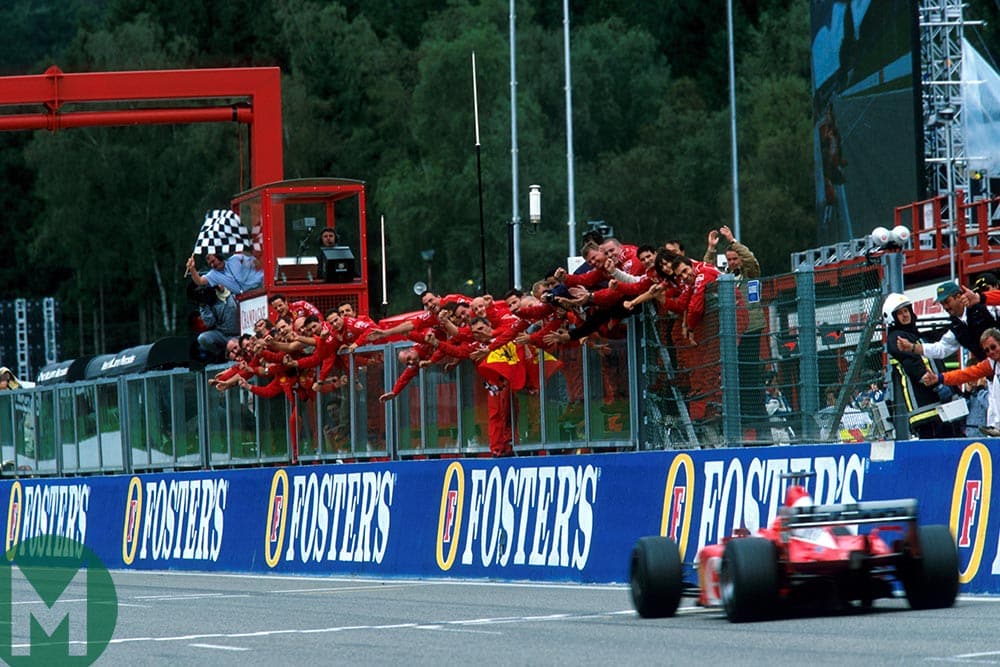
[(632, 352), (389, 373), (805, 292), (732, 429), (201, 400)]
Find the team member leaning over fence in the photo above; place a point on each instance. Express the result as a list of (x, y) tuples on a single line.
[(703, 335), (908, 368), (409, 357), (987, 368), (236, 351), (493, 356)]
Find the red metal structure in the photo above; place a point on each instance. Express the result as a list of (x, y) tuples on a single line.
[(930, 254), (289, 216), (251, 96), (977, 238)]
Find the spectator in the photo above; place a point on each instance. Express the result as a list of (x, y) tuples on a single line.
[(263, 327), (743, 265), (985, 282), (778, 411), (978, 396), (740, 260), (420, 323), (908, 368), (221, 316), (987, 368), (7, 379), (854, 424), (237, 351), (346, 309), (985, 292)]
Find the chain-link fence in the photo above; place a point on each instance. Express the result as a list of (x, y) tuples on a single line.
[(785, 359)]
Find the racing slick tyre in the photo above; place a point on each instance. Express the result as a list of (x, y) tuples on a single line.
[(931, 580), (749, 579), (655, 577)]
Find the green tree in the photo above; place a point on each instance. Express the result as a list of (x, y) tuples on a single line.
[(383, 92), (776, 139)]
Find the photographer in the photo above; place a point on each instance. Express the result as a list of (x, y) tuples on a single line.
[(221, 316)]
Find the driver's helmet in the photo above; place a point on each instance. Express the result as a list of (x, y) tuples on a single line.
[(797, 496)]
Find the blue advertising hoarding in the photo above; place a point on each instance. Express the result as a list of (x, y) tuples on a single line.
[(558, 518)]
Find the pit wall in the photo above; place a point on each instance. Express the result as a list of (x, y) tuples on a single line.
[(556, 518)]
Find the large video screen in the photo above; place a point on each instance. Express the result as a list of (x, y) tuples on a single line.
[(868, 133)]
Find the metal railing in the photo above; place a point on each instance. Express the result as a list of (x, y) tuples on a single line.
[(809, 335)]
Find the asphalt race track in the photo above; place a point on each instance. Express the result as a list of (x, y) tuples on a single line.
[(187, 619)]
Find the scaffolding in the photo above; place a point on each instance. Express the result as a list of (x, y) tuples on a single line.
[(942, 31), (21, 336), (49, 329)]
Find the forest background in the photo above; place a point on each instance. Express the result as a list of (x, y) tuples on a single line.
[(104, 218)]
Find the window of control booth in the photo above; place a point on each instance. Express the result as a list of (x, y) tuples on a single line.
[(318, 242)]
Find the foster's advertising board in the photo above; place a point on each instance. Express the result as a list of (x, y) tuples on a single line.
[(555, 518)]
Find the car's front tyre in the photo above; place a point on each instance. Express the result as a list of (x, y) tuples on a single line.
[(655, 577), (749, 579), (931, 579)]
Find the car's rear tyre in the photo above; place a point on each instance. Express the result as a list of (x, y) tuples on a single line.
[(749, 579), (931, 580), (655, 577)]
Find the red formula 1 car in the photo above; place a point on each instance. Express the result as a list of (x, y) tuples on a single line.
[(807, 552)]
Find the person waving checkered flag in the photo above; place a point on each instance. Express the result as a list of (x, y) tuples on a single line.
[(221, 234)]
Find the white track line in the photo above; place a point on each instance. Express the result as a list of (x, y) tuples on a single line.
[(339, 589), (191, 596), (220, 648), (460, 623)]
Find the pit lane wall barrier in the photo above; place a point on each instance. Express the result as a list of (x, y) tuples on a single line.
[(559, 518)]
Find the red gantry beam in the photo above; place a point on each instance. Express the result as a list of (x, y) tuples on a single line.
[(257, 88)]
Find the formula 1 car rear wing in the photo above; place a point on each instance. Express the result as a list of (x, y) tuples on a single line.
[(872, 511)]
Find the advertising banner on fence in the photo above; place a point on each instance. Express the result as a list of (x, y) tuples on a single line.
[(557, 518)]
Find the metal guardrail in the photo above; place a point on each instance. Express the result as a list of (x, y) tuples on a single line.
[(171, 420), (643, 391)]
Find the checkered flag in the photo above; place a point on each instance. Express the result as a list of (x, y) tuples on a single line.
[(258, 238), (221, 234)]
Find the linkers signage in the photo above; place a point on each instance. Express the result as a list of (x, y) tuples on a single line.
[(45, 376), (123, 360)]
